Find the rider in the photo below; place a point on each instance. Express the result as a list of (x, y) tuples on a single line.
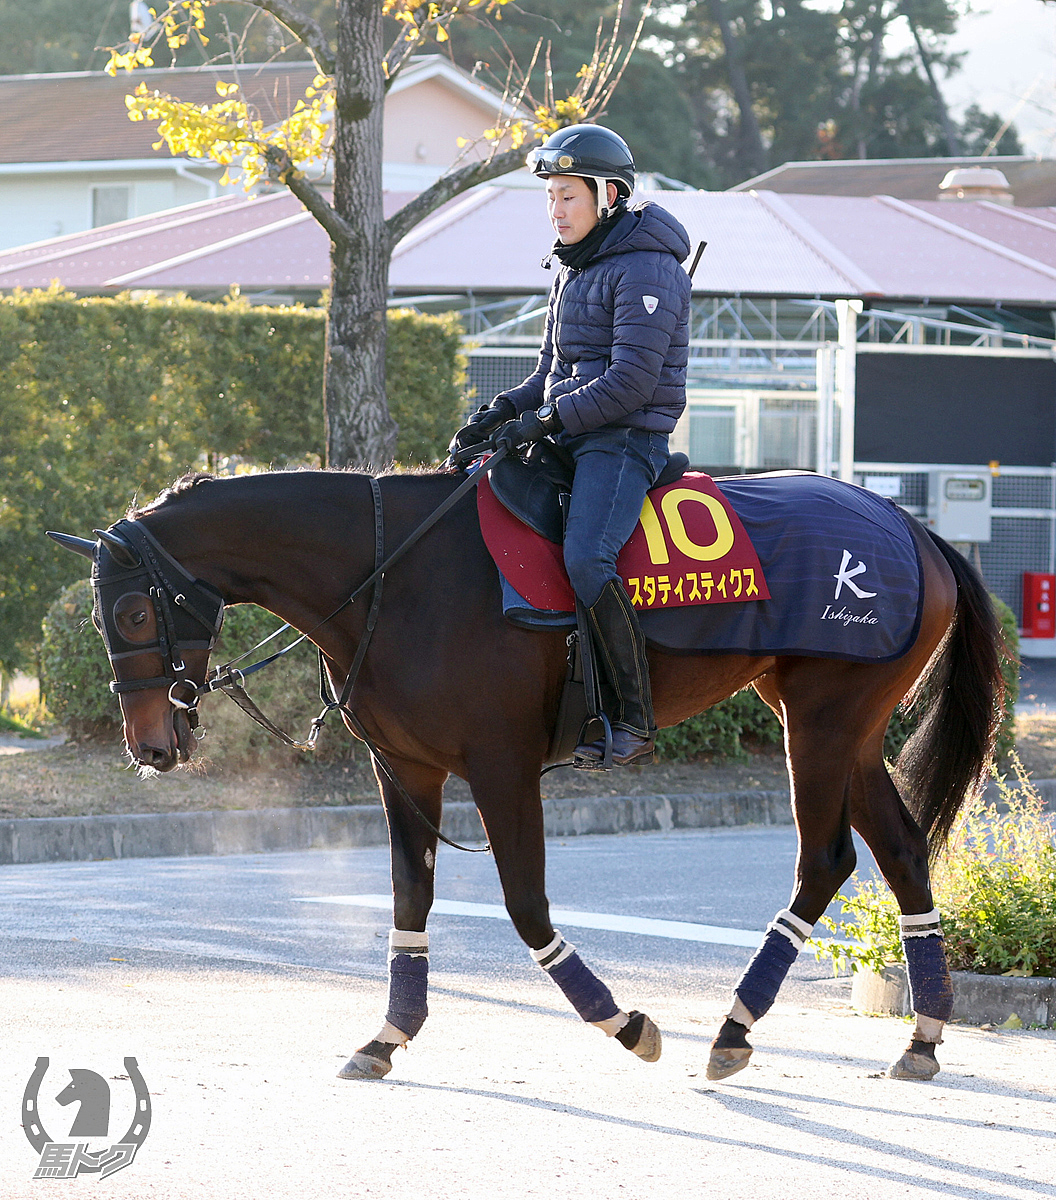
[(609, 386)]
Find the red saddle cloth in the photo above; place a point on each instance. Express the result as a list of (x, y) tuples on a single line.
[(689, 547)]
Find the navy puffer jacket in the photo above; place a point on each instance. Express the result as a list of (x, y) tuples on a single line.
[(616, 341)]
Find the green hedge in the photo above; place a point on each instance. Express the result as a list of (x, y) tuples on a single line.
[(105, 401)]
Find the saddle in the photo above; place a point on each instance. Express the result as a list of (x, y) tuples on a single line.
[(535, 489), (531, 488)]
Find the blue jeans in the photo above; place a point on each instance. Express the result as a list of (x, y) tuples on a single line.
[(615, 467)]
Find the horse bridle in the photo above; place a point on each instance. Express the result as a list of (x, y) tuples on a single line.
[(188, 613)]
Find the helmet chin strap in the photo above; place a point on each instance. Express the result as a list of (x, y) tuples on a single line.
[(605, 209)]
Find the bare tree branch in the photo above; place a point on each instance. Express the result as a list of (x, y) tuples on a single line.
[(306, 29), (282, 170), (449, 186)]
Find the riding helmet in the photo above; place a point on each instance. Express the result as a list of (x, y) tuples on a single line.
[(592, 152)]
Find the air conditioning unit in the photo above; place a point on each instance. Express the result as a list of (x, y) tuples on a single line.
[(959, 504)]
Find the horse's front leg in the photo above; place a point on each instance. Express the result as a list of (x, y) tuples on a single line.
[(512, 813), (413, 850), (820, 756)]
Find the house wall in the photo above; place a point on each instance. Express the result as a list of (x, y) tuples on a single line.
[(43, 205), (423, 124)]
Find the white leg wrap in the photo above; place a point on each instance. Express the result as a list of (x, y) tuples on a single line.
[(929, 1029), (392, 1035), (403, 941), (922, 925), (740, 1014), (794, 928), (613, 1025), (553, 953)]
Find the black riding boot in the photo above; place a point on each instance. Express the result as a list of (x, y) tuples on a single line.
[(621, 656)]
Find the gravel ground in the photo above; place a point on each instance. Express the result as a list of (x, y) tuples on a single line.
[(507, 1096)]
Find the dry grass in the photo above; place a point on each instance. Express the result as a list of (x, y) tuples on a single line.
[(75, 780), (72, 780), (1036, 745)]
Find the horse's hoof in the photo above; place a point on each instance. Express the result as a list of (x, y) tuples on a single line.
[(915, 1064), (641, 1037), (728, 1061), (370, 1062)]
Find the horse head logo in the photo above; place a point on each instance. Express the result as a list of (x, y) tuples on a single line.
[(92, 1093), (64, 1160)]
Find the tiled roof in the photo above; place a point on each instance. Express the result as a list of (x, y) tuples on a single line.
[(492, 240), (1031, 180), (81, 116)]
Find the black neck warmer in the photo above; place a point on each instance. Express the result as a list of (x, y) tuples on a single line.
[(580, 253)]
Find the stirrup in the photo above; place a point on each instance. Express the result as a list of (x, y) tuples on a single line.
[(627, 748), (596, 755)]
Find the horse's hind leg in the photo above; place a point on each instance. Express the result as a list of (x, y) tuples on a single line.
[(821, 744), (901, 853), (513, 816), (413, 850)]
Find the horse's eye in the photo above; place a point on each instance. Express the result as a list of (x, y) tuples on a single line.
[(134, 617)]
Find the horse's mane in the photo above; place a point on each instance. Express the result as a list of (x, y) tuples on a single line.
[(180, 487), (192, 479)]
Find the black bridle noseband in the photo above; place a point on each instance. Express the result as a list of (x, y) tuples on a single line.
[(188, 613)]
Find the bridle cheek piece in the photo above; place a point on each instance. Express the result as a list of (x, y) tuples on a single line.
[(185, 608)]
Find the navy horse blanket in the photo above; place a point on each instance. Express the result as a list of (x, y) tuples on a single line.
[(840, 564)]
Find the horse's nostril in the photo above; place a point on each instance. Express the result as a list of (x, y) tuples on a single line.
[(152, 756)]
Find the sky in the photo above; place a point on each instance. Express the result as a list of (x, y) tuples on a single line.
[(1011, 51)]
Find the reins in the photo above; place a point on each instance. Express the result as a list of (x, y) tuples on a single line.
[(231, 680)]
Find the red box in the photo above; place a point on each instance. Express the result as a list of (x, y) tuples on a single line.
[(1039, 605)]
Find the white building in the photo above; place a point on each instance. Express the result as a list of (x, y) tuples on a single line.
[(71, 160)]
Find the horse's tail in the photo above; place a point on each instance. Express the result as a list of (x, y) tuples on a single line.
[(959, 696)]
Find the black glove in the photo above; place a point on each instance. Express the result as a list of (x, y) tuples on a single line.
[(490, 417), (481, 425), (523, 432)]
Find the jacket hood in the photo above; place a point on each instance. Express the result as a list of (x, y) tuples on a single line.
[(647, 227)]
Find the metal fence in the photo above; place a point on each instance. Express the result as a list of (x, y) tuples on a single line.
[(1023, 525)]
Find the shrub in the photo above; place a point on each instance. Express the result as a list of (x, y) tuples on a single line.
[(74, 670), (425, 372), (995, 887), (287, 692), (720, 729)]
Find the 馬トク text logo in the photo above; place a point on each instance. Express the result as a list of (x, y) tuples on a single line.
[(91, 1092)]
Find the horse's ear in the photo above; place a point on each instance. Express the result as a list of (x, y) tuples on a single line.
[(76, 544), (123, 553)]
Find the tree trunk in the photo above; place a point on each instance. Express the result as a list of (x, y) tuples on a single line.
[(359, 430), (752, 152), (949, 132)]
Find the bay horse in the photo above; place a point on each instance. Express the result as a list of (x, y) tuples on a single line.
[(448, 686)]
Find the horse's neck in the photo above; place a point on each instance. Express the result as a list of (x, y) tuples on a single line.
[(293, 544)]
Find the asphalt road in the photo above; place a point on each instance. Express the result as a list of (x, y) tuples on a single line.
[(1037, 686), (240, 997)]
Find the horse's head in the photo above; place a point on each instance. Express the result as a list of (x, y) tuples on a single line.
[(159, 624)]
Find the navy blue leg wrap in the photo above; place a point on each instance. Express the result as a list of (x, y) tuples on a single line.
[(758, 986), (930, 986), (408, 984), (585, 991)]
